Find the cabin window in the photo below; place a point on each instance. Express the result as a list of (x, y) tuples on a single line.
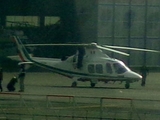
[(108, 68), (119, 68), (91, 68), (99, 68)]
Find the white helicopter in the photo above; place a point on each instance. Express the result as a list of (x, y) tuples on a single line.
[(90, 63)]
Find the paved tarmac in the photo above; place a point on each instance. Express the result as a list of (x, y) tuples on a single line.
[(144, 105), (50, 83)]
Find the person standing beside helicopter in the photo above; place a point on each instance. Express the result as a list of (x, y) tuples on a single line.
[(144, 72), (1, 78), (81, 53), (21, 77)]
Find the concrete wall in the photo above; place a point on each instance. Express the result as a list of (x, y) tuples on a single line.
[(86, 11), (133, 23)]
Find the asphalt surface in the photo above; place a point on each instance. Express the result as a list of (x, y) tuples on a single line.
[(116, 100), (50, 83)]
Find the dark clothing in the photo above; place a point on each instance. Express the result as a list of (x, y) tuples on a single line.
[(22, 74), (1, 86), (1, 79), (81, 53), (144, 72), (11, 84), (22, 71), (21, 77)]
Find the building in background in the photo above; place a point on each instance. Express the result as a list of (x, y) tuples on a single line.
[(133, 23)]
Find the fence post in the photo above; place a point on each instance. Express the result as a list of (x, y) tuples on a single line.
[(73, 113), (101, 109), (47, 101), (131, 111)]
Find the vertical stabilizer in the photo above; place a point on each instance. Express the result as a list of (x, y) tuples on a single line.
[(22, 52)]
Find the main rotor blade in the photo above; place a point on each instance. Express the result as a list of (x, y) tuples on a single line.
[(112, 50), (130, 48), (34, 45)]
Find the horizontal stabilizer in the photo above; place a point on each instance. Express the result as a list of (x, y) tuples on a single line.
[(21, 63)]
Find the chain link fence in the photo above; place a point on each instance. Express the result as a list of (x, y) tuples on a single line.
[(16, 106)]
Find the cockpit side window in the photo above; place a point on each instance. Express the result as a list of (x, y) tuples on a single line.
[(99, 68), (119, 68), (108, 68), (91, 68)]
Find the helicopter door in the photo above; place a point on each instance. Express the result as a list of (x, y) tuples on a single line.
[(109, 68), (99, 68)]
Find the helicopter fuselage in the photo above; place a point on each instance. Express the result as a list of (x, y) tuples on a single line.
[(96, 66), (90, 63)]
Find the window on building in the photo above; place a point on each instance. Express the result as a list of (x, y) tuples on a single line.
[(12, 21), (50, 20)]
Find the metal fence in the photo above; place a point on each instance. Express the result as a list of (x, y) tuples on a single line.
[(16, 106)]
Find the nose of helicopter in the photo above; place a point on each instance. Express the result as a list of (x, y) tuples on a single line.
[(133, 75)]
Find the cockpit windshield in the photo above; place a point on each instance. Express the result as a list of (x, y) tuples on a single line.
[(120, 68)]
